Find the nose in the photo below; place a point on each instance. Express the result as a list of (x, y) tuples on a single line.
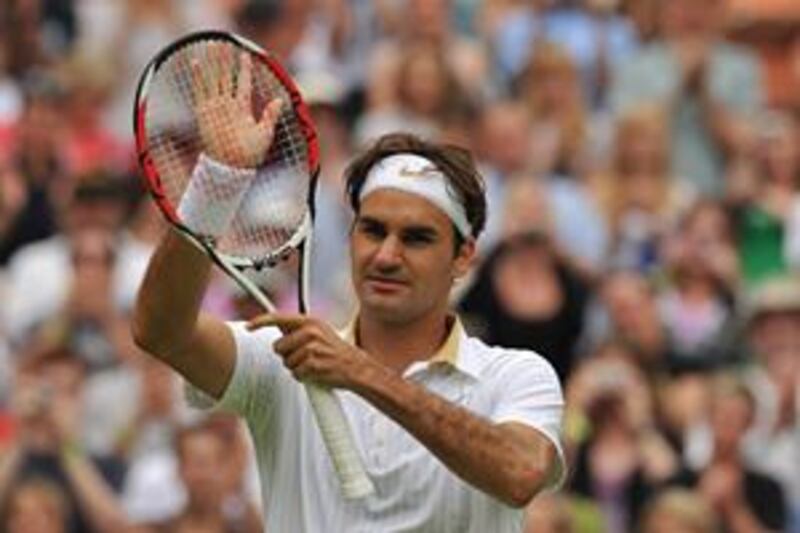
[(389, 252)]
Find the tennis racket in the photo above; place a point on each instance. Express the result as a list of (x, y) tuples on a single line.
[(206, 95)]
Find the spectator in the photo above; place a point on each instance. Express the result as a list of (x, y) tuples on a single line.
[(623, 459), (768, 208), (41, 274), (525, 296), (47, 404), (678, 510), (34, 153), (201, 452), (643, 15), (504, 142), (562, 513), (550, 88), (426, 96), (743, 499), (36, 505), (625, 308), (772, 444), (426, 21), (590, 31), (88, 145), (639, 194), (711, 88), (697, 307)]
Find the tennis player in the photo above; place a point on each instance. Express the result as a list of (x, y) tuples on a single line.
[(456, 435)]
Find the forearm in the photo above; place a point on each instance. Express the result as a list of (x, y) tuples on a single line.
[(492, 458), (169, 299), (94, 496), (725, 128), (740, 519), (9, 462)]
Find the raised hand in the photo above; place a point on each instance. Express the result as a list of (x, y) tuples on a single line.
[(229, 131)]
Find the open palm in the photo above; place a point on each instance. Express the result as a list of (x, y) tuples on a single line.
[(229, 132)]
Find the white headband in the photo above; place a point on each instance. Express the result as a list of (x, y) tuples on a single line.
[(415, 174)]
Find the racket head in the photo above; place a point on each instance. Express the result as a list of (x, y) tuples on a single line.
[(277, 209)]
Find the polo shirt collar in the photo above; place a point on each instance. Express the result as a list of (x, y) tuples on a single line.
[(452, 352)]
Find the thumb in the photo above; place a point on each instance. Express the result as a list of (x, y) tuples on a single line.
[(271, 113)]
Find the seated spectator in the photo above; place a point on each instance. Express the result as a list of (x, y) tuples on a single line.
[(424, 21), (36, 504), (48, 445), (682, 399), (774, 380), (592, 32), (513, 186), (427, 94), (678, 510), (88, 145), (622, 458), (41, 274), (525, 296), (550, 88), (625, 308), (744, 499), (562, 513), (697, 306), (767, 208), (35, 158), (641, 198), (211, 503), (712, 88)]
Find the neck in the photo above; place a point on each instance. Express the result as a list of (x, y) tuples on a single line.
[(399, 345), (202, 509)]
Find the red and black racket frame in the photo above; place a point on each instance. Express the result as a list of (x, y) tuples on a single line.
[(152, 179)]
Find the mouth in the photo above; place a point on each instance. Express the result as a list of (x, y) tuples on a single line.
[(384, 285)]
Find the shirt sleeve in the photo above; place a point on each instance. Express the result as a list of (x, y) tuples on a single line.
[(252, 387), (531, 395)]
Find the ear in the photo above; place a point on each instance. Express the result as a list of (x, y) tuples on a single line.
[(465, 258)]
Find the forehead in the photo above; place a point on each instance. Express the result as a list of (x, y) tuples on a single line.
[(400, 208)]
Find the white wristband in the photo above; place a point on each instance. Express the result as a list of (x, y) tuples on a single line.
[(213, 196)]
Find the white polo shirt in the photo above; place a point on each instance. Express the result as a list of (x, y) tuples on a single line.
[(414, 490)]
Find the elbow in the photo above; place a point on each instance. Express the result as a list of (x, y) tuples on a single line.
[(142, 336), (148, 337), (524, 487)]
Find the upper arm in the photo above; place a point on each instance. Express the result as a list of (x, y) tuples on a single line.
[(208, 358), (529, 407)]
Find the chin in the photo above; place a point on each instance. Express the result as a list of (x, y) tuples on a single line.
[(384, 310)]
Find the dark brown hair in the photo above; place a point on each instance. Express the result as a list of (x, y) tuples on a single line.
[(456, 164)]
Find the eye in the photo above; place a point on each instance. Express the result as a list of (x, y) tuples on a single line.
[(418, 237), (372, 229)]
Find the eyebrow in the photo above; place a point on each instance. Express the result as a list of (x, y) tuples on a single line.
[(414, 229), (421, 231)]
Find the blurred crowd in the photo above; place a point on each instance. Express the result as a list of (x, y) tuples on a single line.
[(643, 236)]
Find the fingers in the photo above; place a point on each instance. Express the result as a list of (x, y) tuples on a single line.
[(199, 90), (224, 57), (271, 114), (293, 341), (286, 323), (244, 88)]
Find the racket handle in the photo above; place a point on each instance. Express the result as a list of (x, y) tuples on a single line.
[(339, 440)]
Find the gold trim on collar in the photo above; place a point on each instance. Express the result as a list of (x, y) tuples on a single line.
[(447, 352)]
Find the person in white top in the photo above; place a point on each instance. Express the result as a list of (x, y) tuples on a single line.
[(456, 435)]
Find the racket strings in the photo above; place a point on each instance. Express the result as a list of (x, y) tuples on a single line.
[(275, 203)]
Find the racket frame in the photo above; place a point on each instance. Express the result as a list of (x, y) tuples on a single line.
[(331, 420)]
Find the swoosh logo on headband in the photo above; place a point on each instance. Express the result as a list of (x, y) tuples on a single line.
[(406, 172)]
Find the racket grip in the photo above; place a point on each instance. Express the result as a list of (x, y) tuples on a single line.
[(339, 440)]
